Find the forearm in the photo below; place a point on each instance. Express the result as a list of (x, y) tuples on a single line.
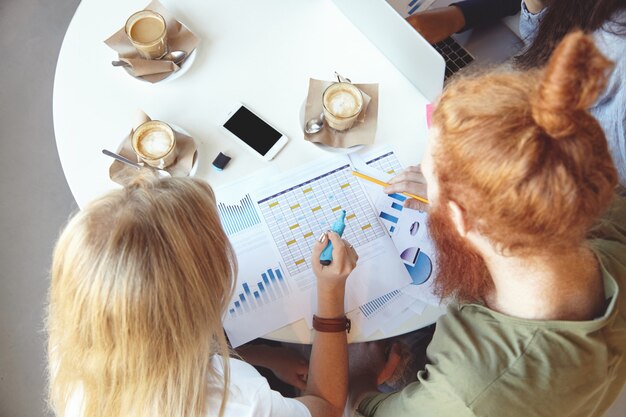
[(438, 24), (328, 368)]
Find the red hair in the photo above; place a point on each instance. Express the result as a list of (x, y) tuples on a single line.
[(522, 155)]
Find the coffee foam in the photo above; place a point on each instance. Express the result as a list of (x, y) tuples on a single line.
[(343, 103), (154, 143)]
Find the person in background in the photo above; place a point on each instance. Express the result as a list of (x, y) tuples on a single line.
[(531, 250), (440, 23), (542, 25), (141, 279)]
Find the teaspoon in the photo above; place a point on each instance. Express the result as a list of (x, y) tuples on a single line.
[(177, 57), (160, 172), (314, 125)]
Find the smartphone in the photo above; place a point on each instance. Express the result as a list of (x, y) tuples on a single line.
[(264, 139)]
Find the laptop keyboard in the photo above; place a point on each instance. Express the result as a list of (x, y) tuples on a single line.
[(455, 55)]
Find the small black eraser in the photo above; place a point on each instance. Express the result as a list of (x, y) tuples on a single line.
[(221, 161)]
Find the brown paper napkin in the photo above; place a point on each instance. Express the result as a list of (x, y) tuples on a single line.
[(179, 38), (187, 154), (362, 132)]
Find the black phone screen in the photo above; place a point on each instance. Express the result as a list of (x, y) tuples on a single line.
[(248, 127)]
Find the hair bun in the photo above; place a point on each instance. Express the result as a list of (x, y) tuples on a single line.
[(574, 76)]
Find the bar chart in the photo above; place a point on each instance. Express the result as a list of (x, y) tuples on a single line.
[(238, 217), (376, 304), (268, 288)]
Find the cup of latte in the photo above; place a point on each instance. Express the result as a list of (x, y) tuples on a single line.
[(342, 104), (155, 143), (147, 32)]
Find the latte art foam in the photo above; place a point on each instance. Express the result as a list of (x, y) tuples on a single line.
[(155, 143), (343, 103)]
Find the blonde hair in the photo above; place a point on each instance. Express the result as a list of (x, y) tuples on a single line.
[(140, 281)]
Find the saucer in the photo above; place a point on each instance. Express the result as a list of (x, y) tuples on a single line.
[(184, 67), (179, 38), (343, 151), (188, 148)]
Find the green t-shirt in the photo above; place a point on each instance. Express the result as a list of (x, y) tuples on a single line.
[(483, 363)]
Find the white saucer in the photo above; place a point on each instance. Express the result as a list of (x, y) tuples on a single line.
[(184, 67), (343, 151)]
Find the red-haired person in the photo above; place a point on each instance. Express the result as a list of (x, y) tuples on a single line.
[(531, 241)]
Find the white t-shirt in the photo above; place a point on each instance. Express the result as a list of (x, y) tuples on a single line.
[(250, 396)]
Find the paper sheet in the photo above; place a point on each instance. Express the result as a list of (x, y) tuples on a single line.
[(300, 205), (407, 228), (264, 299), (273, 229), (381, 313)]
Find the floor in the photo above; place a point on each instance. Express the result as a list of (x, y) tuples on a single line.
[(36, 200)]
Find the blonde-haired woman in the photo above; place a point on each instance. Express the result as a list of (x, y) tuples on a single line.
[(140, 281)]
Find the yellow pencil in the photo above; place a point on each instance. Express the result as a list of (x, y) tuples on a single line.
[(384, 184)]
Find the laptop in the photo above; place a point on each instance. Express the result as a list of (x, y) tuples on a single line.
[(408, 51), (484, 46), (415, 58)]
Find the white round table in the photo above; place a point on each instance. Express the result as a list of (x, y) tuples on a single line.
[(261, 53)]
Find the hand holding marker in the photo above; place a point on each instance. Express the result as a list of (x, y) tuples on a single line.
[(338, 227)]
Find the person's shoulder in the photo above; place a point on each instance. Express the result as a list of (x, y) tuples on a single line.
[(472, 347), (477, 326), (611, 37), (245, 385), (616, 23), (493, 362), (250, 394), (608, 235), (239, 370)]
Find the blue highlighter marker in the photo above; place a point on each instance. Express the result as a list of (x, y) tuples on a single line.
[(338, 227)]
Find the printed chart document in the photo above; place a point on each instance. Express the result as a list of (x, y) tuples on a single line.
[(299, 208), (409, 233), (264, 300), (273, 228)]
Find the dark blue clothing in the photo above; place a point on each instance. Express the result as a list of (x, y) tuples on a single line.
[(480, 13)]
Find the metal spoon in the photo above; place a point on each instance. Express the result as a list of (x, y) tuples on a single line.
[(177, 57), (314, 125), (160, 172)]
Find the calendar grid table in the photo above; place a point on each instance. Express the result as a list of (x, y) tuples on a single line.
[(387, 163), (296, 216)]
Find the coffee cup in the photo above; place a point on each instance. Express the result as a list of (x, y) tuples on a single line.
[(147, 31), (155, 143), (342, 103)]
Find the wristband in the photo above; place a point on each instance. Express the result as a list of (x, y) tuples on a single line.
[(332, 325)]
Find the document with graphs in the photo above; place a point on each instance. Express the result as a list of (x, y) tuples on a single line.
[(273, 227)]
